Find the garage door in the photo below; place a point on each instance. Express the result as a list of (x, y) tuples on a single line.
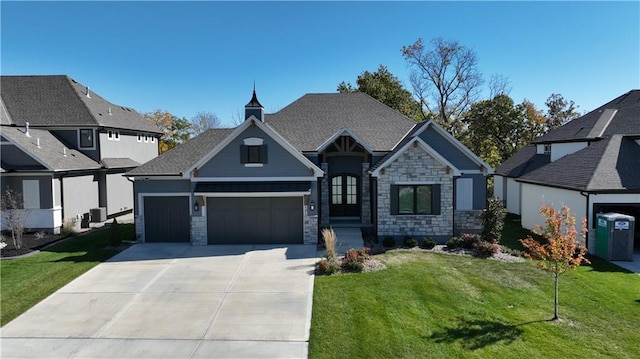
[(254, 220), (166, 219)]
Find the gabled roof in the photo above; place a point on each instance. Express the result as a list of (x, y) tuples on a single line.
[(179, 159), (619, 116), (52, 154), (60, 101), (414, 141), (522, 162), (309, 121), (611, 164), (119, 163)]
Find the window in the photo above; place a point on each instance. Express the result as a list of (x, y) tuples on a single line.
[(146, 138), (464, 194), (153, 139), (139, 138), (31, 194), (253, 154), (110, 135), (421, 199), (547, 148), (116, 135), (86, 138)]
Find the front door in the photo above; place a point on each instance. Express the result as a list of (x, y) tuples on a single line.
[(344, 196)]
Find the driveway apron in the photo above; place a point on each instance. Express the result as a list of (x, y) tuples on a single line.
[(176, 301)]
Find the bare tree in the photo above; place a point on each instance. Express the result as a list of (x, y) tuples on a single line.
[(445, 79), (204, 121), (499, 85), (14, 215)]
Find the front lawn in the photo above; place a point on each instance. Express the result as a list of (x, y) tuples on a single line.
[(26, 281), (430, 305)]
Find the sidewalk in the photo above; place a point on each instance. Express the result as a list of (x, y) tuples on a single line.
[(632, 266)]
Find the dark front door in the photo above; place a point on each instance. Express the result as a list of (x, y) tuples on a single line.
[(344, 198)]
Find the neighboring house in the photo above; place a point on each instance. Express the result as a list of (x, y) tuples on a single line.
[(324, 160), (65, 150), (591, 164)]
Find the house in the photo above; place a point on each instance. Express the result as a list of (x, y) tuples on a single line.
[(65, 150), (324, 160), (591, 164)]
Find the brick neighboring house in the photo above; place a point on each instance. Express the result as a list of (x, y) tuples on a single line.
[(324, 160), (65, 149), (591, 164)]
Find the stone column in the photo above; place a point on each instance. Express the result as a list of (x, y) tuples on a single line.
[(366, 195), (324, 195), (199, 230)]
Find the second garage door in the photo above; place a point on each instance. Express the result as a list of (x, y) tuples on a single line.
[(166, 219), (251, 220)]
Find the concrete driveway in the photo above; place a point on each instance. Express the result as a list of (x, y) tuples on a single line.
[(176, 301)]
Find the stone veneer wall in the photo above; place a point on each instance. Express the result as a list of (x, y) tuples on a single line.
[(468, 221), (199, 230), (310, 227), (324, 195), (365, 195), (139, 227), (415, 165)]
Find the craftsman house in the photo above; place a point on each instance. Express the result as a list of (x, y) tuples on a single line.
[(591, 164), (325, 159), (65, 150)]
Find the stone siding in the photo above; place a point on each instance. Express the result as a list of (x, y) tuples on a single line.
[(415, 166), (199, 230), (310, 224), (139, 228), (468, 222)]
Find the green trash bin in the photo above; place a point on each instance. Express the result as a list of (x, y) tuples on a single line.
[(614, 236)]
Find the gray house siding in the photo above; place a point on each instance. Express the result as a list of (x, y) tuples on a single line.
[(479, 190), (447, 150), (80, 194), (13, 156), (70, 138), (127, 147), (280, 163), (119, 193), (160, 186), (14, 183)]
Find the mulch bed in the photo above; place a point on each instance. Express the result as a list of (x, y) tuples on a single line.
[(30, 242)]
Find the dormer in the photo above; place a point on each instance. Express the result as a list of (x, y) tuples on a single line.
[(254, 108)]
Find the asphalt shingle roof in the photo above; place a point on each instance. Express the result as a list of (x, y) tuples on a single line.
[(522, 162), (51, 151), (46, 101), (119, 163), (182, 157), (312, 119)]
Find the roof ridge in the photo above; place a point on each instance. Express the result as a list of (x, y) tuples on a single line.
[(592, 176)]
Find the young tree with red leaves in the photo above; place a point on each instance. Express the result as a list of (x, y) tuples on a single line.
[(562, 250)]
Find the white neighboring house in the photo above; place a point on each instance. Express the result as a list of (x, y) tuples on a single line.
[(591, 164)]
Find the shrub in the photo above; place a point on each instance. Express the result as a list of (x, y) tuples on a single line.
[(114, 234), (68, 228), (410, 242), (469, 240), (493, 220), (454, 243), (39, 235), (327, 266), (428, 243), (353, 260), (329, 238), (388, 242), (486, 248)]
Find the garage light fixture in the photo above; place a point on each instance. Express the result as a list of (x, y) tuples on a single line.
[(312, 206), (196, 206)]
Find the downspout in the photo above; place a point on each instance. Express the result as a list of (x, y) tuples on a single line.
[(589, 220)]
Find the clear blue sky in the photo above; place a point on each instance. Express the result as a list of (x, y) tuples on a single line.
[(205, 56)]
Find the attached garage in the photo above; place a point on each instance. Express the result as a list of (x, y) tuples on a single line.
[(254, 220), (166, 219)]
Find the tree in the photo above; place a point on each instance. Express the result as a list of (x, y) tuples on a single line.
[(562, 251), (174, 130), (535, 122), (203, 121), (14, 215), (559, 111), (386, 88), (445, 79)]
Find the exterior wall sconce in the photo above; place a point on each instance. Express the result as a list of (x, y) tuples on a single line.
[(312, 206), (196, 206)]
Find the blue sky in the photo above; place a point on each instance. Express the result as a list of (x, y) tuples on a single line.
[(205, 56)]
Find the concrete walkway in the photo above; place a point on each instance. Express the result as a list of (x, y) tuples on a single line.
[(176, 301), (633, 266)]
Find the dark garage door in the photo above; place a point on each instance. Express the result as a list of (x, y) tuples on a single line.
[(166, 219), (254, 220)]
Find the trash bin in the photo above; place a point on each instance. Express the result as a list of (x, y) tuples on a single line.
[(614, 236)]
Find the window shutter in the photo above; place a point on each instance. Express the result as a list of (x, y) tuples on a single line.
[(263, 154), (244, 153), (436, 199), (394, 199)]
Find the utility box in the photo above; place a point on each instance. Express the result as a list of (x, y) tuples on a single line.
[(98, 214), (614, 236)]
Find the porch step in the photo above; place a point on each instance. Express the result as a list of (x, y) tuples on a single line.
[(347, 238)]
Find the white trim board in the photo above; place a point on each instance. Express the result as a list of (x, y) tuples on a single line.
[(253, 179), (252, 194)]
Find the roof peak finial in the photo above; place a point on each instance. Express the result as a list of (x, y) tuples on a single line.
[(254, 86)]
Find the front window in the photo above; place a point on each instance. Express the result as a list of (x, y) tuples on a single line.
[(253, 153), (415, 199), (86, 138)]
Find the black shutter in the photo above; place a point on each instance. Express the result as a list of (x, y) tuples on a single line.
[(394, 199), (244, 153), (263, 154), (435, 193)]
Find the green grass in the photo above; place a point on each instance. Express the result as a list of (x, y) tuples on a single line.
[(430, 305), (513, 232), (26, 281)]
